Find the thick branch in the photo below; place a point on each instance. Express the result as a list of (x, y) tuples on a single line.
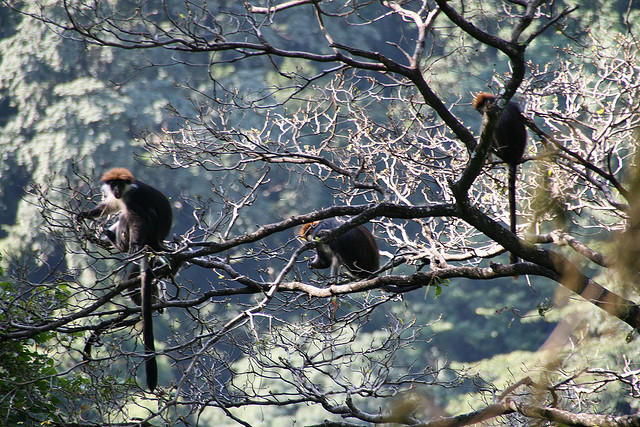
[(533, 411), (279, 7), (416, 280), (561, 239), (571, 419), (367, 213), (566, 272)]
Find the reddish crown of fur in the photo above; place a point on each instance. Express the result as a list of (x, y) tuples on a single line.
[(482, 99), (307, 229), (122, 174)]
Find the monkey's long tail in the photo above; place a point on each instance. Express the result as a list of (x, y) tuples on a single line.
[(513, 169), (146, 296)]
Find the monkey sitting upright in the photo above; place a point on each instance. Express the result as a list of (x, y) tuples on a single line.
[(144, 219), (355, 249), (509, 143)]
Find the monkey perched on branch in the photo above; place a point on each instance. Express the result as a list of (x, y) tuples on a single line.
[(144, 220), (355, 249), (509, 143)]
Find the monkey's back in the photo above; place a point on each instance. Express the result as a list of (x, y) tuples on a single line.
[(363, 258), (357, 247), (510, 134), (149, 217)]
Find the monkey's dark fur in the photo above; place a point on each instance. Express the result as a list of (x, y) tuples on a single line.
[(356, 249), (509, 143), (144, 220)]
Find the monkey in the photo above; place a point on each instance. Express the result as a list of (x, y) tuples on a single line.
[(355, 249), (509, 143), (144, 220)]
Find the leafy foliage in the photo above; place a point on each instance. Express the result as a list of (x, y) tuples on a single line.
[(31, 385)]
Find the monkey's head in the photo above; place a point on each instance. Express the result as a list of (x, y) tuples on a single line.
[(118, 180), (306, 230), (482, 101)]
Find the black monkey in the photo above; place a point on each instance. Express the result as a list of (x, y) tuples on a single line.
[(509, 143), (355, 249), (144, 219)]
